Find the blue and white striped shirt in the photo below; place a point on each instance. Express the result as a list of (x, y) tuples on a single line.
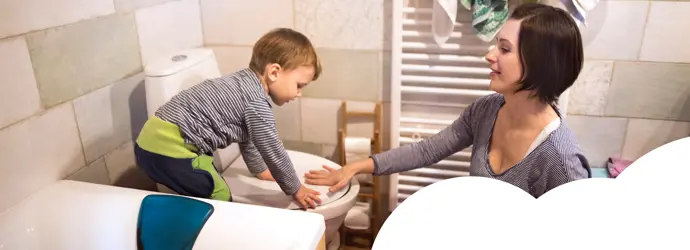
[(233, 109)]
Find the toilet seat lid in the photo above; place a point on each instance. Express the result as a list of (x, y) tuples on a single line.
[(246, 188)]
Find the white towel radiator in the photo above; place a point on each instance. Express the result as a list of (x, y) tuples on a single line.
[(430, 87)]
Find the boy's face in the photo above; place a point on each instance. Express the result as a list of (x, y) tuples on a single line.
[(286, 85)]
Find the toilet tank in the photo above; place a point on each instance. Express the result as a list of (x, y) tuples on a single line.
[(168, 75)]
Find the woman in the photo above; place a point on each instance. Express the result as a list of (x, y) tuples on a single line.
[(517, 134)]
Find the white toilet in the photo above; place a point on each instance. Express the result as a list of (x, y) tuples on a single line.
[(248, 189), (168, 75)]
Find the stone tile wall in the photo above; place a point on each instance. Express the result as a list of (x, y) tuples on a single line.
[(72, 96), (633, 94)]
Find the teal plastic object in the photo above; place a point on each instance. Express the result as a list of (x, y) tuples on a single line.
[(600, 173), (170, 222)]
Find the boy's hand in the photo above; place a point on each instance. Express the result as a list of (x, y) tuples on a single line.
[(265, 175), (307, 198)]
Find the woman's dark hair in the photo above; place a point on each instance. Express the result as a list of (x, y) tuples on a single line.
[(550, 50)]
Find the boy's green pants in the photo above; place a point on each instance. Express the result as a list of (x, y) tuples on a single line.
[(163, 155)]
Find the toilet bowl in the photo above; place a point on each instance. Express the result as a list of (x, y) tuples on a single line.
[(246, 188)]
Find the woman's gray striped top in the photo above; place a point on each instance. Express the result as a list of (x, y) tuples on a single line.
[(555, 161), (233, 109)]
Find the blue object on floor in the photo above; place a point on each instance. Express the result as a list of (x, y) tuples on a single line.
[(600, 173), (170, 222)]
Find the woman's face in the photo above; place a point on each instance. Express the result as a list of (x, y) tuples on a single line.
[(506, 70)]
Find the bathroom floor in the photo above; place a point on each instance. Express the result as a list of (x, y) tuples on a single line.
[(354, 248), (356, 244)]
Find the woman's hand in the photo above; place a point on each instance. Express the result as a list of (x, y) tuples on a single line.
[(265, 175), (337, 179)]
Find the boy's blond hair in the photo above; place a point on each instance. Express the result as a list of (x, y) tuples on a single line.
[(286, 47)]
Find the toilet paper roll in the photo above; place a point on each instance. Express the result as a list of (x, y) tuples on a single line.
[(358, 148)]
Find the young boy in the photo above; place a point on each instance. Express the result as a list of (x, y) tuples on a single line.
[(175, 146)]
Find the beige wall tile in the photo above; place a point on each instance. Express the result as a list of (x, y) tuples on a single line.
[(123, 170), (243, 22), (588, 94), (19, 97), (232, 58), (104, 117), (599, 137), (167, 28), (19, 17), (288, 119), (306, 147), (644, 136), (37, 152), (336, 24), (347, 74), (93, 173), (615, 30), (667, 33), (129, 5), (73, 60), (320, 121), (650, 90)]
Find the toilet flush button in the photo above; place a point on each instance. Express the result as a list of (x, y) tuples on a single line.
[(178, 58)]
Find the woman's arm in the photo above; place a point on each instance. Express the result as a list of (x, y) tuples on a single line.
[(448, 141)]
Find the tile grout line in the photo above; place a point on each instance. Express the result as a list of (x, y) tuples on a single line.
[(201, 22), (625, 135), (81, 141), (136, 28), (61, 26), (627, 117), (294, 14), (644, 31), (105, 164), (636, 61), (608, 88), (227, 45), (377, 51)]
